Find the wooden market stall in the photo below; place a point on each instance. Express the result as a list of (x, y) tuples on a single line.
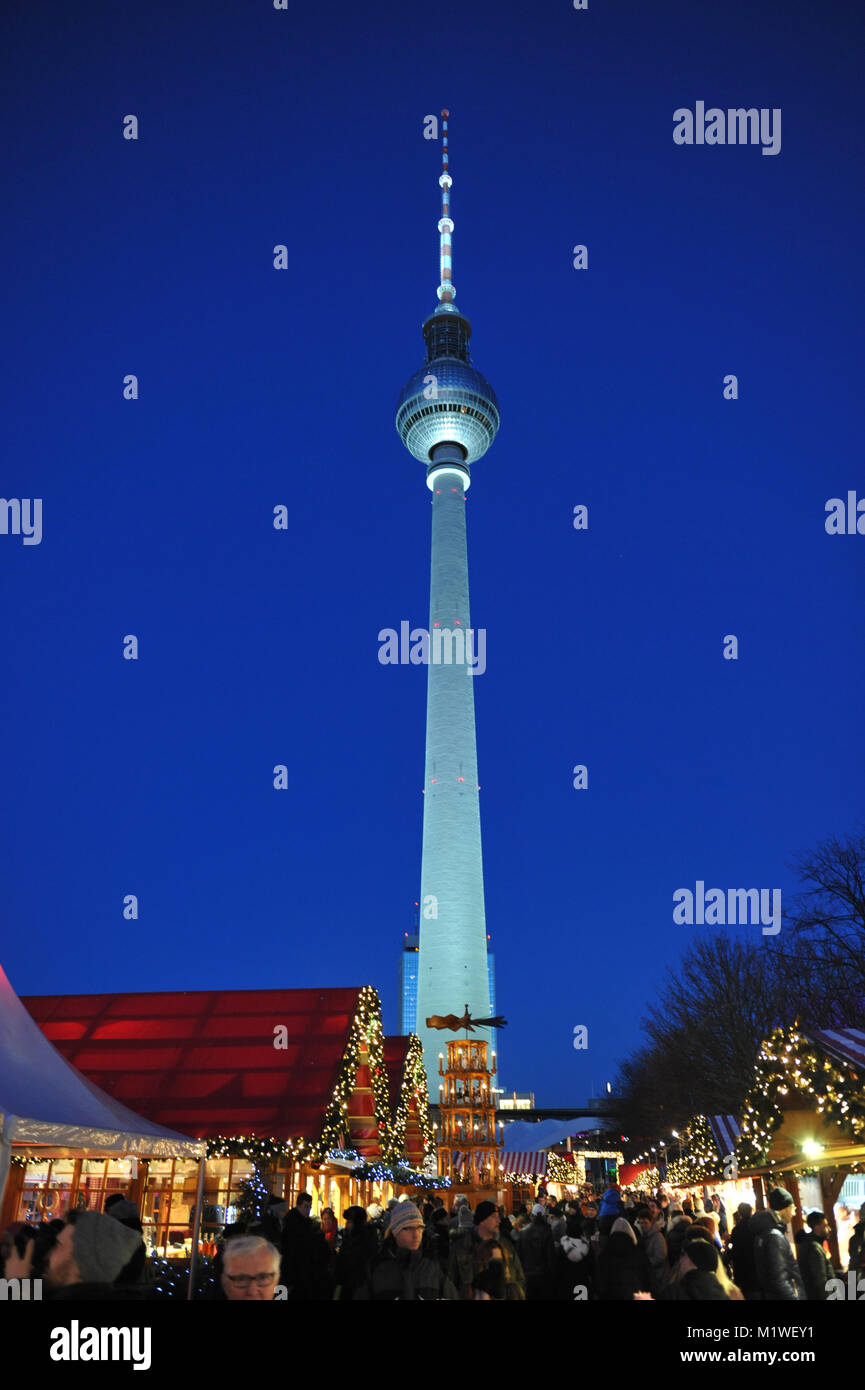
[(804, 1117)]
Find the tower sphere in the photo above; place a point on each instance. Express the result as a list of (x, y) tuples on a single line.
[(447, 401)]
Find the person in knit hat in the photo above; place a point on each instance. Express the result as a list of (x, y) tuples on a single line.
[(93, 1250), (776, 1267), (402, 1271), (119, 1208)]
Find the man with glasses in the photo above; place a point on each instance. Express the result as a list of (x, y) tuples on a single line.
[(250, 1269)]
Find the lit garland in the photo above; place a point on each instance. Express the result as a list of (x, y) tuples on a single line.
[(413, 1093), (398, 1173), (261, 1152), (789, 1061)]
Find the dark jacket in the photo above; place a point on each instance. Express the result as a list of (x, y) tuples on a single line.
[(463, 1265), (623, 1269), (778, 1277), (405, 1274), (305, 1267), (741, 1248), (856, 1248), (437, 1243), (814, 1266), (355, 1256), (537, 1255)]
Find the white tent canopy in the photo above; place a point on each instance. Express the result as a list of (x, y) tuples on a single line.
[(543, 1134), (44, 1100)]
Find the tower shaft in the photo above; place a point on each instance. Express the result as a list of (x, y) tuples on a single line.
[(448, 416), (452, 963)]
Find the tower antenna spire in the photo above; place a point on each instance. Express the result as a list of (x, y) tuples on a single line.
[(446, 291)]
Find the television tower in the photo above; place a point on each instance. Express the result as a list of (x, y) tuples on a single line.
[(448, 416)]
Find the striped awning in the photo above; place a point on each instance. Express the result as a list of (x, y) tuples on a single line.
[(523, 1161), (846, 1044), (725, 1131)]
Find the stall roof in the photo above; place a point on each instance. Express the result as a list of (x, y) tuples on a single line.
[(204, 1061)]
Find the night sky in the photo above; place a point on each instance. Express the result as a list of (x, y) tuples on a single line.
[(260, 387)]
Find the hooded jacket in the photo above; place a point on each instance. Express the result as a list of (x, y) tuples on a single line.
[(611, 1203)]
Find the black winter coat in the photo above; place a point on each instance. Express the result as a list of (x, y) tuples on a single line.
[(778, 1276), (536, 1250), (623, 1269), (355, 1256), (305, 1267), (814, 1266), (405, 1274), (741, 1248)]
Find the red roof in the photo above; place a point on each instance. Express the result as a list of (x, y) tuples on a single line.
[(204, 1062), (395, 1054)]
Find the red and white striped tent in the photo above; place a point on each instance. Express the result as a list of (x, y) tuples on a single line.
[(532, 1161), (846, 1044)]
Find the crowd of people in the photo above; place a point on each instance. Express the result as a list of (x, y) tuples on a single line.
[(624, 1246)]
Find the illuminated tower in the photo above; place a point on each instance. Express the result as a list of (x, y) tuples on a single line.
[(447, 416)]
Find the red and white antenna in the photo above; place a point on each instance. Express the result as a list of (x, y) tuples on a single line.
[(446, 291)]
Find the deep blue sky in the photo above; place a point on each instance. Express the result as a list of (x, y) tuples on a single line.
[(260, 387)]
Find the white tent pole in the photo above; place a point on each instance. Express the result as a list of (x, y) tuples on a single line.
[(7, 1128), (196, 1225)]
